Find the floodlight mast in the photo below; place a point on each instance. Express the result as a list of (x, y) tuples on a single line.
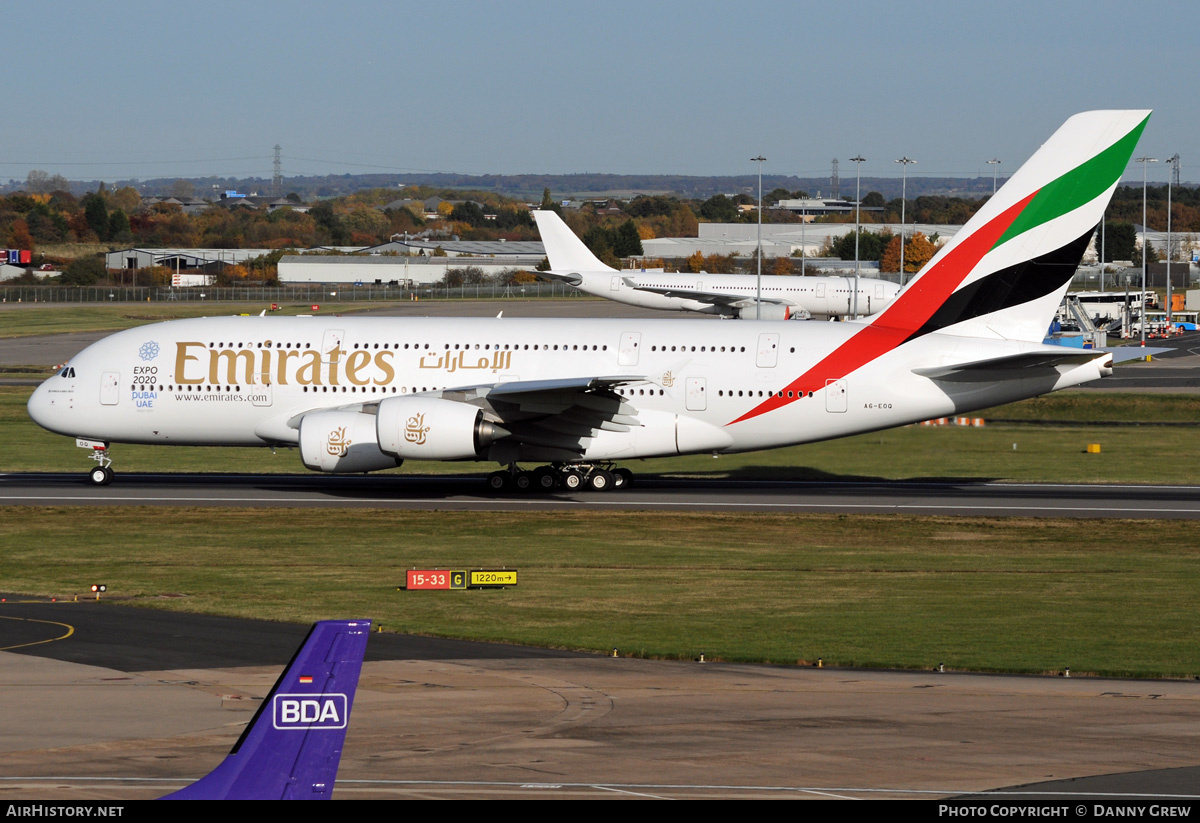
[(904, 162), (758, 298)]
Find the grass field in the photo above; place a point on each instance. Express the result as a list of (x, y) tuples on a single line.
[(1108, 597), (60, 319)]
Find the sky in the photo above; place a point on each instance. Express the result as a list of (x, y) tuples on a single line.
[(160, 89)]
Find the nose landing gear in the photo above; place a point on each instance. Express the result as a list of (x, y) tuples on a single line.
[(102, 474)]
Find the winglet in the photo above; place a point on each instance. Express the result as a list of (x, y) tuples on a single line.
[(291, 749), (564, 250)]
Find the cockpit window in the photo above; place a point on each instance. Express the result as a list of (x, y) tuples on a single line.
[(67, 371)]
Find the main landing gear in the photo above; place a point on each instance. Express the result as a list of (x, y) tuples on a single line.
[(597, 477)]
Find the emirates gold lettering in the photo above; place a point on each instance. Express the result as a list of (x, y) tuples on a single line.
[(337, 444), (415, 429), (335, 355), (356, 362), (231, 359), (182, 358), (310, 373), (383, 363), (197, 363), (281, 364)]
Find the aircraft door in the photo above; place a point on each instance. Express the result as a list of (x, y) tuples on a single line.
[(697, 394), (835, 396), (331, 341), (627, 352), (110, 388), (768, 351), (615, 283), (821, 290), (260, 392)]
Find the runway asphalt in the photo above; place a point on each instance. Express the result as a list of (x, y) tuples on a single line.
[(459, 493), (119, 703)]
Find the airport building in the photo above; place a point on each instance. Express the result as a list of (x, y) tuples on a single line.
[(779, 239), (407, 271)]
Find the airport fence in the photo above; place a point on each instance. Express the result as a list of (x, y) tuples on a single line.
[(313, 294)]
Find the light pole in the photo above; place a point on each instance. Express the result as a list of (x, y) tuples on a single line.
[(1145, 242), (904, 162), (758, 298), (857, 160), (995, 164), (1174, 161)]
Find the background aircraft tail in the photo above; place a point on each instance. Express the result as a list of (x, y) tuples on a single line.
[(1004, 274), (291, 749), (566, 252)]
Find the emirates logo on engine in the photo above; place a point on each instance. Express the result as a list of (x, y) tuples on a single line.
[(337, 444), (415, 429)]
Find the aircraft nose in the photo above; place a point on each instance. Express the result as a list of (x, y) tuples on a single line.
[(50, 408)]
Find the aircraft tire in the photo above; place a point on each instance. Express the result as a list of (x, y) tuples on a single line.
[(498, 481), (572, 480), (622, 478), (545, 479), (601, 481), (101, 476), (522, 482)]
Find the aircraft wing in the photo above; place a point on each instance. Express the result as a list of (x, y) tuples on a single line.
[(737, 301), (557, 414), (1008, 366)]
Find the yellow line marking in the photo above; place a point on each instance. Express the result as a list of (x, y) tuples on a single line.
[(70, 631)]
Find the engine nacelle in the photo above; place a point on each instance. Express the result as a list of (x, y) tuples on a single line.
[(342, 441), (772, 311), (429, 428)]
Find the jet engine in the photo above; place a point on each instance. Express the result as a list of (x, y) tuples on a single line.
[(773, 311), (342, 441), (429, 428)]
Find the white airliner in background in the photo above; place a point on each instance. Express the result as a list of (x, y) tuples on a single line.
[(784, 297), (362, 394)]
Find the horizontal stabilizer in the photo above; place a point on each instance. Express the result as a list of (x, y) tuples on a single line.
[(1009, 366), (1122, 354)]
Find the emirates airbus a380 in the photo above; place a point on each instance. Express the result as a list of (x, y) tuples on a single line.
[(363, 394)]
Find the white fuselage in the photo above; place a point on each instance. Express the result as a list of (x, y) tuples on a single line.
[(822, 297), (693, 386)]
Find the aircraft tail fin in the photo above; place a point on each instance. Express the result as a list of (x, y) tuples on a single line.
[(1004, 274), (291, 749), (566, 252)]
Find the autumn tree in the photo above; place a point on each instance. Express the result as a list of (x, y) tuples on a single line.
[(628, 243), (918, 251), (719, 209), (781, 265), (42, 182), (1120, 240), (19, 236), (84, 271), (95, 210), (870, 245)]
